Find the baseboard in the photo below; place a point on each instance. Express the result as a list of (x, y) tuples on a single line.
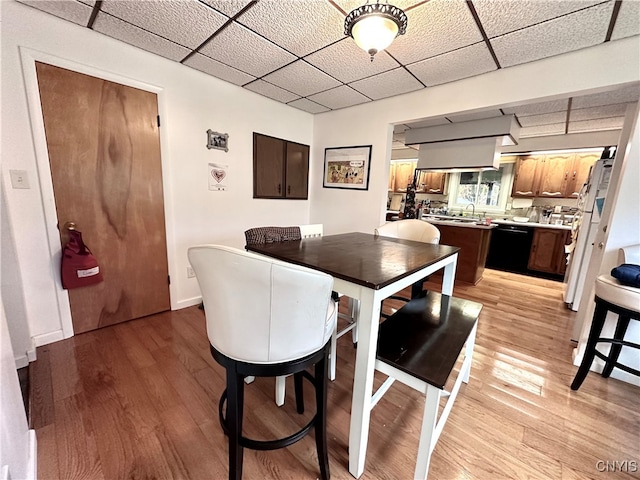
[(47, 338), (188, 303), (32, 472)]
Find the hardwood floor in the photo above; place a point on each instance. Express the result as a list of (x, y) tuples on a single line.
[(139, 400)]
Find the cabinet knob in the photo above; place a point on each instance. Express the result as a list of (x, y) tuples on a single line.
[(288, 189), (279, 188)]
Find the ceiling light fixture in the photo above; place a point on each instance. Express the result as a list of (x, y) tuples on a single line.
[(373, 26)]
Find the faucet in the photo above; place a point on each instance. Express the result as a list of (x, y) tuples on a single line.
[(473, 207)]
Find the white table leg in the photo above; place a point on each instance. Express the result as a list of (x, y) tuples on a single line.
[(368, 323), (449, 276), (427, 442)]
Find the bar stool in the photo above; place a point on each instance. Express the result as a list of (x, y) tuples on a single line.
[(623, 300), (291, 316)]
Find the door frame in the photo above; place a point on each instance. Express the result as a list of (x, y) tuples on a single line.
[(29, 57)]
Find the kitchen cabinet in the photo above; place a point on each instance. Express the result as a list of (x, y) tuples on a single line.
[(547, 250), (431, 182), (392, 177), (525, 182), (404, 172), (553, 175), (580, 173), (280, 168), (474, 245)]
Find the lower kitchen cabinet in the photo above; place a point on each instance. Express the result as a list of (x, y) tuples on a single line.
[(474, 246), (547, 251)]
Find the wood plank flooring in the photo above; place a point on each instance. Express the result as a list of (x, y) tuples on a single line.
[(139, 400)]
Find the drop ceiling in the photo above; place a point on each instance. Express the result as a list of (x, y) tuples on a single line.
[(295, 51)]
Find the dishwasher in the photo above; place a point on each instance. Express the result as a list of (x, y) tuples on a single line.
[(509, 248)]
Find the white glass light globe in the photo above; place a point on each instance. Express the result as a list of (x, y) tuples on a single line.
[(374, 33)]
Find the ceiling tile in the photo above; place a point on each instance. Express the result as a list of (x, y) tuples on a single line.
[(498, 18), (543, 119), (271, 91), (433, 28), (339, 97), (347, 62), (628, 21), (228, 7), (187, 22), (621, 95), (542, 130), (572, 32), (217, 69), (388, 84), (596, 125), (467, 117), (308, 106), (448, 67), (70, 10), (298, 30), (138, 37), (604, 111), (243, 49), (538, 108), (302, 78)]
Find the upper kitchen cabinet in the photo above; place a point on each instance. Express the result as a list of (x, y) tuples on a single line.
[(431, 182), (579, 173), (404, 172), (280, 168), (554, 175), (525, 182), (392, 177), (558, 175)]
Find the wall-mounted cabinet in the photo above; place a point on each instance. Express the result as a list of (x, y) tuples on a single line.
[(403, 175), (431, 182), (552, 176), (280, 168)]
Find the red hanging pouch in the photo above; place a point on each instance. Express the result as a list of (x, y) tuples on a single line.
[(79, 267)]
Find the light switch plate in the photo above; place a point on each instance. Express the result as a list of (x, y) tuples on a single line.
[(19, 179)]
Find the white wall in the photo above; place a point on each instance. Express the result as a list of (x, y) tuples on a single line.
[(190, 103), (17, 442), (588, 70)]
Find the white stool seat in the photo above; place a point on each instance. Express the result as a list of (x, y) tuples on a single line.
[(611, 290)]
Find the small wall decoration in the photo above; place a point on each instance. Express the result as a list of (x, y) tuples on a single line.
[(217, 176), (217, 140), (347, 167)]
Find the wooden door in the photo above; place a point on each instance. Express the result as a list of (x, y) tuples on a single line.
[(104, 152), (578, 176), (404, 175), (555, 175), (268, 166), (547, 250), (297, 163), (525, 182)]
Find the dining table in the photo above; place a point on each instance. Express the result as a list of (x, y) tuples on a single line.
[(368, 268)]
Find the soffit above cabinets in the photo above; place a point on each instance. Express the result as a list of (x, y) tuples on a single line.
[(295, 52)]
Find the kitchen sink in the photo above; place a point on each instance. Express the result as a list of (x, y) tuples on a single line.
[(451, 218)]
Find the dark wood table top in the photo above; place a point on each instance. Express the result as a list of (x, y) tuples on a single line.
[(361, 258)]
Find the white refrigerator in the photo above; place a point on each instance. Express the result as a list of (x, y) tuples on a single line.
[(584, 228)]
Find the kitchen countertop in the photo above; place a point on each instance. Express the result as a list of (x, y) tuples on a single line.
[(533, 224), (453, 223)]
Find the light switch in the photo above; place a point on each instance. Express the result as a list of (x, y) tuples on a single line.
[(19, 179)]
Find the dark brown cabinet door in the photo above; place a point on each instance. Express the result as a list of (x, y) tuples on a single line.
[(280, 168), (547, 251), (268, 167), (297, 172)]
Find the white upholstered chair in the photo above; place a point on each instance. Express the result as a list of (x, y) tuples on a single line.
[(291, 317), (410, 229)]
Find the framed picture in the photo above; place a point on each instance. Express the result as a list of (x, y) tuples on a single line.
[(219, 141), (347, 167)]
